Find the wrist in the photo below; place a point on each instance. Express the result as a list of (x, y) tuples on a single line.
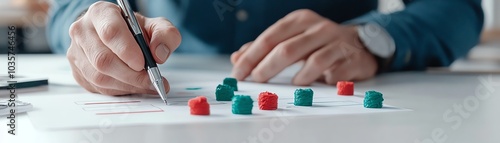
[(379, 43), (365, 52)]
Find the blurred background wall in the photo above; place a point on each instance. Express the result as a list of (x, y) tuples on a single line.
[(30, 15), (492, 21)]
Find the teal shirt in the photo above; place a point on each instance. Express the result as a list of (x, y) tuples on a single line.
[(426, 33)]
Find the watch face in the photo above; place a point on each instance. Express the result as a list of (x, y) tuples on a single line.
[(377, 40)]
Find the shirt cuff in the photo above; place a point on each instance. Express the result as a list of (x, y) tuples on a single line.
[(402, 54)]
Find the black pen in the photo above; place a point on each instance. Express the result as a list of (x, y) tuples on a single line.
[(151, 67)]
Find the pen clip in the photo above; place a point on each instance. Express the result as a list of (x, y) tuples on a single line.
[(129, 16)]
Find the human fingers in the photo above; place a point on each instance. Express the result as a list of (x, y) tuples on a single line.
[(296, 48), (165, 37), (106, 18), (341, 72), (236, 55), (103, 61), (285, 28), (102, 81), (361, 66), (77, 75), (327, 57), (77, 60)]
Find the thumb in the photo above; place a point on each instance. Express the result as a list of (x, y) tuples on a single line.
[(165, 37)]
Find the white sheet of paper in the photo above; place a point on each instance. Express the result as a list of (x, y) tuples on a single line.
[(93, 110)]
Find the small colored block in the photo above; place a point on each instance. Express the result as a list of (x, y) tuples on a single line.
[(373, 99), (303, 97), (231, 82), (345, 88), (224, 92), (242, 104), (268, 101), (199, 106)]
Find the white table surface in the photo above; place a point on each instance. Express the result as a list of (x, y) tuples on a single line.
[(430, 96)]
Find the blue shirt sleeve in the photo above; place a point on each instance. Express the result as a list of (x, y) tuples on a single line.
[(430, 32), (62, 14)]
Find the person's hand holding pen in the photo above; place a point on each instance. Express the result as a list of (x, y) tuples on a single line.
[(104, 56)]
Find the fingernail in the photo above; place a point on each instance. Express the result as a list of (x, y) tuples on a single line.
[(162, 52)]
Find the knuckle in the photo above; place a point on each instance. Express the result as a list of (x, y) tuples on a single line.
[(286, 22), (326, 26), (285, 50), (70, 54), (99, 6), (303, 14), (75, 29), (176, 35), (173, 30), (127, 51), (100, 79), (108, 31), (102, 61), (265, 43)]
